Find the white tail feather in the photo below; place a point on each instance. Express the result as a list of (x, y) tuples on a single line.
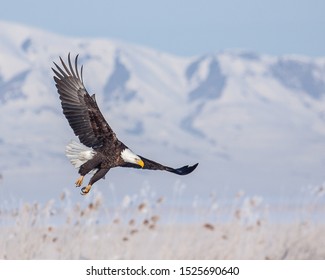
[(78, 153)]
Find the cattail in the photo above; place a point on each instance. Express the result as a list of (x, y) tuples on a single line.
[(238, 214), (142, 207), (90, 206), (155, 218), (63, 196), (160, 200), (208, 226), (240, 194)]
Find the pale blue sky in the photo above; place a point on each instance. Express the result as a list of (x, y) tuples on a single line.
[(184, 27)]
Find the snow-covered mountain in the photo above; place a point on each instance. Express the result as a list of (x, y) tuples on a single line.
[(254, 122)]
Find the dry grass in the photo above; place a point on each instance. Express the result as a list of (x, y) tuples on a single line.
[(143, 228)]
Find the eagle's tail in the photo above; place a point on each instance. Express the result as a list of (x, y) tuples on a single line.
[(78, 153)]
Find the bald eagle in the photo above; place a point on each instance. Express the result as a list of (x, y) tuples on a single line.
[(99, 150)]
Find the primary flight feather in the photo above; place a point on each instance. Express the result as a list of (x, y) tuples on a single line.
[(99, 149)]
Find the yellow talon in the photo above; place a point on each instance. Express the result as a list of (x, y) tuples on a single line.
[(79, 181), (85, 190)]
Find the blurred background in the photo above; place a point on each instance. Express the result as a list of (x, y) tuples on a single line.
[(238, 86)]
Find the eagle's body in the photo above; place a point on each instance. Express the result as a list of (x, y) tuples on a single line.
[(99, 150)]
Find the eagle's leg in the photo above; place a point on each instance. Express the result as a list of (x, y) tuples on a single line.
[(86, 168), (98, 175), (86, 189), (79, 181)]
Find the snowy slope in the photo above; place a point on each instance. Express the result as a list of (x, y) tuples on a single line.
[(254, 122)]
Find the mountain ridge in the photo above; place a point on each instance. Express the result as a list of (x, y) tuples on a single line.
[(231, 110)]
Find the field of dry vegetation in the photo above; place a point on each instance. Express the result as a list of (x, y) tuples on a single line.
[(147, 227)]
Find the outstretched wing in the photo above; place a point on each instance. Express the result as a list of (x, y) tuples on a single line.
[(80, 108), (152, 165)]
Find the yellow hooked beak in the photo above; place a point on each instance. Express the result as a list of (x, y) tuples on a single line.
[(140, 162)]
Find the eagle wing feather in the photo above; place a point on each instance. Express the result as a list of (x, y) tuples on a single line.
[(81, 109), (152, 165)]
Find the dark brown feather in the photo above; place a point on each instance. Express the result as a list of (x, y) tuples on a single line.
[(81, 109)]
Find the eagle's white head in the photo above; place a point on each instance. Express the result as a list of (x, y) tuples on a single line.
[(128, 156)]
